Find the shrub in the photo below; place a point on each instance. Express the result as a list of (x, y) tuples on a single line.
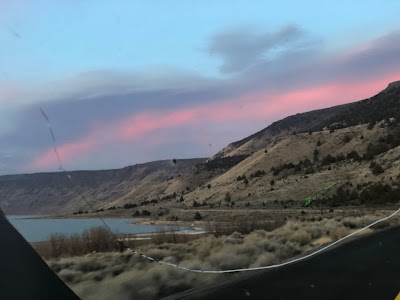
[(337, 233), (227, 197), (145, 212), (197, 216), (377, 169), (329, 159), (258, 173), (375, 149), (353, 195), (280, 168), (371, 125), (307, 163), (57, 243), (196, 204), (340, 157), (379, 194), (301, 237), (346, 139), (90, 266), (69, 276), (98, 239), (130, 205), (353, 155), (309, 170)]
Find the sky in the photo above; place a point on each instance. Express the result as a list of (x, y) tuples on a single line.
[(127, 82)]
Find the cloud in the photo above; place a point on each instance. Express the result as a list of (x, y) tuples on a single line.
[(252, 107), (243, 48), (292, 70), (98, 83), (130, 129), (98, 113), (66, 152), (377, 56), (138, 125)]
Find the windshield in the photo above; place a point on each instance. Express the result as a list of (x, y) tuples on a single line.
[(154, 149)]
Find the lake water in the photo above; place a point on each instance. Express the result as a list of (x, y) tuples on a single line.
[(36, 230)]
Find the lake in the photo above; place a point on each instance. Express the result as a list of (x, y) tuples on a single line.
[(36, 230)]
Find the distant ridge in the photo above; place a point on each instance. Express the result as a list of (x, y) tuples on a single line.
[(53, 192)]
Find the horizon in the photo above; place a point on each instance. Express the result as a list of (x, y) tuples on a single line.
[(133, 83), (111, 169)]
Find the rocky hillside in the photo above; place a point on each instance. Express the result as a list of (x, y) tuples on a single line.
[(352, 151), (293, 167), (352, 147)]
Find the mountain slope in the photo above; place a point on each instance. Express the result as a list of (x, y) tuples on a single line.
[(45, 193), (385, 104), (297, 180), (273, 168)]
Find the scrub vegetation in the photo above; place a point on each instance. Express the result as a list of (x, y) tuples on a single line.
[(124, 275)]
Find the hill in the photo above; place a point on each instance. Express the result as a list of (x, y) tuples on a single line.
[(349, 151), (47, 193), (385, 104)]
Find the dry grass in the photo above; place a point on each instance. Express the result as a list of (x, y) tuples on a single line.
[(243, 226), (129, 276), (96, 239), (99, 239)]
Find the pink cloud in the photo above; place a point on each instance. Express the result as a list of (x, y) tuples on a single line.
[(67, 152), (129, 129), (253, 106), (266, 105), (138, 125)]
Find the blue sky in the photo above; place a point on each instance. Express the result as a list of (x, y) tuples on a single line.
[(63, 38), (104, 64)]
